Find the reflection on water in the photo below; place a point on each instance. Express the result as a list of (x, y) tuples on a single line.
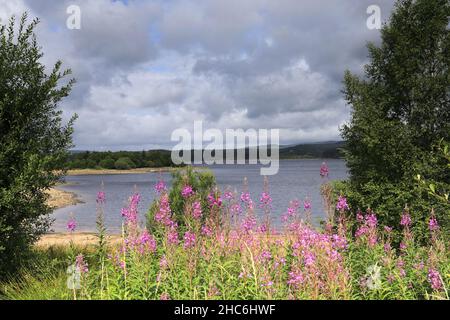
[(296, 179)]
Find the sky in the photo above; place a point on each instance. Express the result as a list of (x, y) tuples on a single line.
[(147, 68)]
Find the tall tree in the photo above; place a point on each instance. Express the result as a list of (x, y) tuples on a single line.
[(34, 141), (401, 110)]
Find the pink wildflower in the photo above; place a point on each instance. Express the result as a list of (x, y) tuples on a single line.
[(206, 231), (101, 198), (434, 279), (306, 205), (342, 204), (214, 200), (81, 264), (433, 224), (160, 186), (406, 220), (265, 200), (71, 225), (172, 236), (324, 170), (189, 240), (147, 241), (187, 191), (196, 210), (295, 278)]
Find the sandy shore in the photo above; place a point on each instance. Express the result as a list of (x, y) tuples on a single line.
[(60, 199), (78, 172), (78, 239)]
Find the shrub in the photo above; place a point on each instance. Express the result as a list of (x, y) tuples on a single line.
[(202, 183), (107, 163), (124, 164)]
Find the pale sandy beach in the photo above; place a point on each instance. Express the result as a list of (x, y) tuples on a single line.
[(78, 239)]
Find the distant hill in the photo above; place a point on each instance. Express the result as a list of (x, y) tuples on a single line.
[(313, 150), (79, 159)]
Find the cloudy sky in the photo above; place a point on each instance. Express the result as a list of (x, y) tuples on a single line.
[(146, 68)]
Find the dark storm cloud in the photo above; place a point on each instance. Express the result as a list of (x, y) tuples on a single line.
[(145, 68)]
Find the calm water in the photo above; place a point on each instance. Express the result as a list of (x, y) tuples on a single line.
[(296, 179)]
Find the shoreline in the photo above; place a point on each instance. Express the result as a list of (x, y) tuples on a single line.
[(59, 198), (80, 172), (77, 238)]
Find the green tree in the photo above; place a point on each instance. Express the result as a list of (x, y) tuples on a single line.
[(107, 163), (401, 110), (124, 163), (34, 141)]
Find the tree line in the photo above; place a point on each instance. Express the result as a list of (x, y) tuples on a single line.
[(122, 160)]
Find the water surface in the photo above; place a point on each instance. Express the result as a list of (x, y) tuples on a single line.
[(296, 179)]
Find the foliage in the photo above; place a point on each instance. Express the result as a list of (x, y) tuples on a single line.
[(202, 183), (33, 139), (243, 260), (124, 164), (401, 111), (108, 160)]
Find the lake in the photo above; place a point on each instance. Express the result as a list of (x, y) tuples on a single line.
[(296, 179)]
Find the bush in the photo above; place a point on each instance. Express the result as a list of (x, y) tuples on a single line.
[(107, 163), (124, 164), (202, 183)]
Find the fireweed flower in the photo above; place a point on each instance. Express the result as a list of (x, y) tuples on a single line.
[(245, 198), (131, 213), (306, 205), (434, 278), (324, 170), (189, 240), (235, 209), (400, 265), (71, 225), (295, 278), (164, 213), (371, 220), (163, 263), (359, 216), (214, 200), (406, 220), (160, 186), (265, 200), (433, 224), (248, 223), (101, 198), (309, 258), (147, 241), (172, 236), (342, 204), (81, 264), (403, 246), (196, 210), (228, 195), (207, 231), (187, 191)]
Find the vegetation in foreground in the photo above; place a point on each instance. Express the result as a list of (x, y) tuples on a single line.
[(232, 250)]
